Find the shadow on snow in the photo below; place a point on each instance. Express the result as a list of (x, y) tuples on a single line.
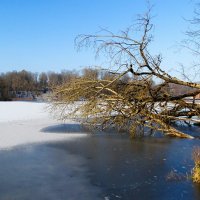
[(64, 128)]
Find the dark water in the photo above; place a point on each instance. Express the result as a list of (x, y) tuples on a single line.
[(99, 167)]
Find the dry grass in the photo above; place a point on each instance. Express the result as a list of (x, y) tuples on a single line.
[(196, 169)]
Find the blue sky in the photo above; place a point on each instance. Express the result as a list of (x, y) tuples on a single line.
[(38, 35)]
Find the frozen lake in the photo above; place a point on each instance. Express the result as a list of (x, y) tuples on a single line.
[(42, 158)]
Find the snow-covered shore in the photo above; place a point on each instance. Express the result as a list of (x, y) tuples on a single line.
[(15, 110), (30, 122)]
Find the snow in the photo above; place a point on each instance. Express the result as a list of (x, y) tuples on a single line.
[(30, 122), (11, 111)]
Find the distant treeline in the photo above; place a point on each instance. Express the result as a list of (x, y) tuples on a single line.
[(12, 83), (16, 82)]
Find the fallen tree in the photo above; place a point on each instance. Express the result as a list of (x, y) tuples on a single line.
[(128, 99)]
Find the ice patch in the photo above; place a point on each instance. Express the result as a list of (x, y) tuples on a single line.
[(27, 122)]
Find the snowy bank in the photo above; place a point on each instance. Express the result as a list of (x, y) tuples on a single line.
[(16, 110), (30, 122)]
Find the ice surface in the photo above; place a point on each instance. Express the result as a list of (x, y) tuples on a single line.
[(15, 110), (25, 122)]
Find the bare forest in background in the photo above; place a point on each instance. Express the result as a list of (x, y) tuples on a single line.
[(14, 84)]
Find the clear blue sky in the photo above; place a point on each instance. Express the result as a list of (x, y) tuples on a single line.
[(38, 35)]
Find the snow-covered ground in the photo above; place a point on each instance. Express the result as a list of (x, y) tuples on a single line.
[(30, 122), (16, 110)]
